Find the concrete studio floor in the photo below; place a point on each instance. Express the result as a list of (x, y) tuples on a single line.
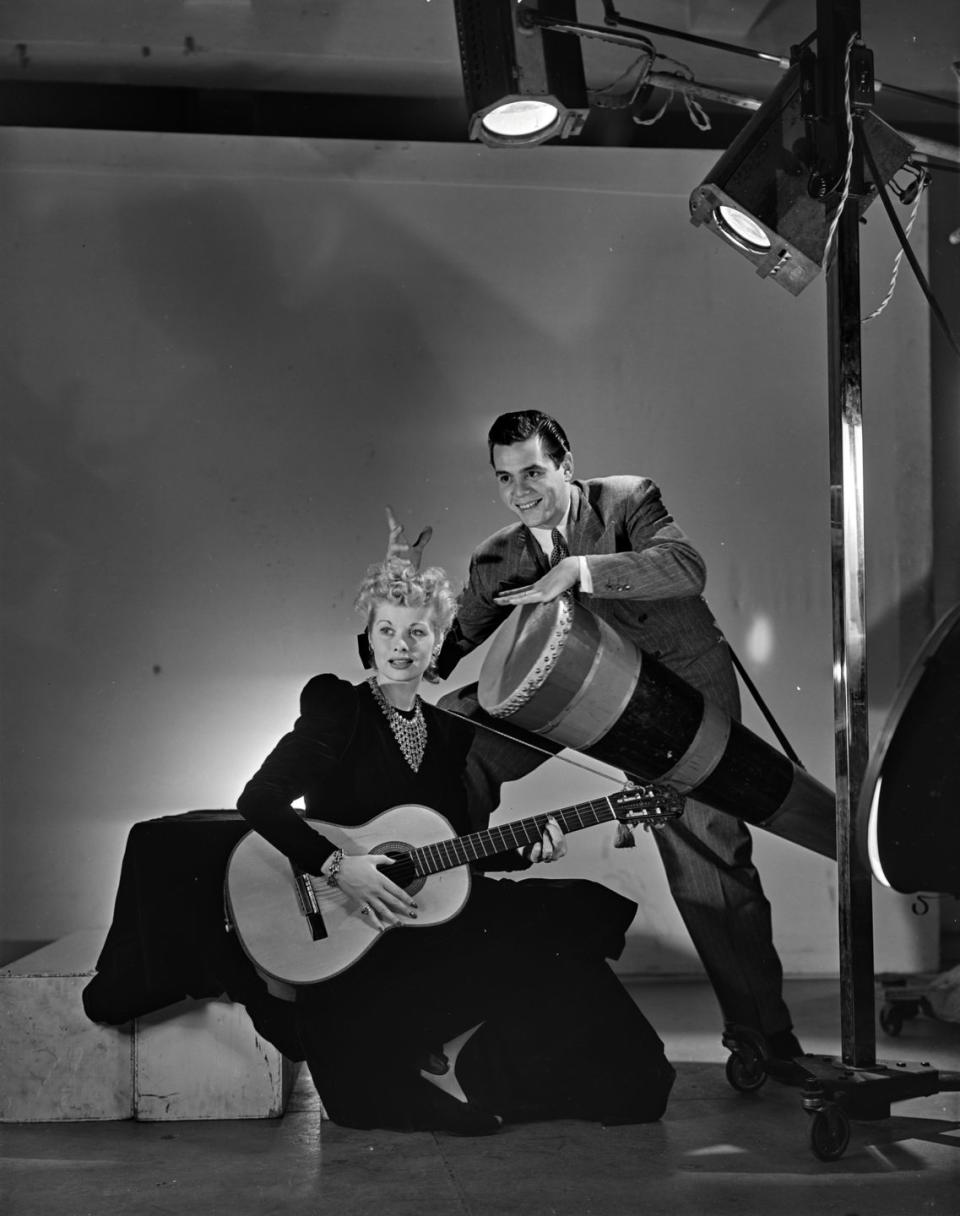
[(715, 1152)]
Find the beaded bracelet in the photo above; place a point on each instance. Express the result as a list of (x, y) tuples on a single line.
[(332, 874)]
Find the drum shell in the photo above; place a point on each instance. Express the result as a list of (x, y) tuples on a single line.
[(657, 727)]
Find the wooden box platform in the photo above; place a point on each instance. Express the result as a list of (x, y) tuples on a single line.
[(193, 1060)]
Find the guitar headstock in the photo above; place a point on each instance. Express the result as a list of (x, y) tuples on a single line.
[(648, 804)]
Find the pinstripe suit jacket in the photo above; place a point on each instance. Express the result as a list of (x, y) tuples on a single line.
[(647, 577)]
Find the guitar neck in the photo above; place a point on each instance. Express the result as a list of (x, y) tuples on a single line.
[(462, 850)]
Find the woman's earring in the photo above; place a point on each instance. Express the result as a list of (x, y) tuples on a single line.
[(430, 674)]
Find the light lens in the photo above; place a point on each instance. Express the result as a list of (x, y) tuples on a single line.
[(741, 229), (521, 119)]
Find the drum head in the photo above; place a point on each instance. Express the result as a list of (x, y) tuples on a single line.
[(517, 651), (909, 813), (558, 670)]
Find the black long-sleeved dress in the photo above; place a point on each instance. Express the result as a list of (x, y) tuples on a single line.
[(560, 1037)]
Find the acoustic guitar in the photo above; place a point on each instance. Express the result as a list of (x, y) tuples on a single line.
[(297, 929)]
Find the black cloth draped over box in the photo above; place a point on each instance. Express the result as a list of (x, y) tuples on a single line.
[(560, 1036), (167, 940)]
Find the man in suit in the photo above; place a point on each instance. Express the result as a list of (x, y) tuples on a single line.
[(612, 542)]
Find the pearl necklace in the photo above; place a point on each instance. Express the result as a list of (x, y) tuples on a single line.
[(410, 733)]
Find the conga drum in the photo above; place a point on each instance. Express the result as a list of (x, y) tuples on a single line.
[(908, 821), (560, 672)]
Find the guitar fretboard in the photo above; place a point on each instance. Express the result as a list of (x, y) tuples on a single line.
[(462, 850)]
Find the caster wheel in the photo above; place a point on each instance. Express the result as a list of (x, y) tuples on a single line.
[(745, 1071), (829, 1133), (891, 1020)]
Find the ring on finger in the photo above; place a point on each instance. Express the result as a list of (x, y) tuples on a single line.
[(365, 910)]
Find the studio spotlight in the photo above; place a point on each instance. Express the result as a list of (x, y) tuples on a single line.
[(523, 84), (766, 196)]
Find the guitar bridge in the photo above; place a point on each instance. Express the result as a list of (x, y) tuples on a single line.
[(309, 908)]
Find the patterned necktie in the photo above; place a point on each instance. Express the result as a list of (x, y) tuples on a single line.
[(559, 550)]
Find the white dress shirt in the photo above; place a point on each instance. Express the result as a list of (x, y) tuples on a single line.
[(544, 538)]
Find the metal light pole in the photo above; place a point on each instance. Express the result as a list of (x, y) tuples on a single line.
[(836, 22)]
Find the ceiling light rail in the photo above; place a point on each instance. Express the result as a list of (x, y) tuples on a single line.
[(613, 18), (524, 79)]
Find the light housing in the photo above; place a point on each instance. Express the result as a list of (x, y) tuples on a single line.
[(757, 197), (523, 84)]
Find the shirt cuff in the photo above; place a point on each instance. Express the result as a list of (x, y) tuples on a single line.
[(586, 582)]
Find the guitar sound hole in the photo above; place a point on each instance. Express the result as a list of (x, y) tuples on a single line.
[(402, 872)]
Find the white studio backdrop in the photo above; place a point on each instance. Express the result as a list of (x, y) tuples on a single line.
[(223, 356)]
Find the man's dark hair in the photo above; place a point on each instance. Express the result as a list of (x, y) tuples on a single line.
[(525, 424)]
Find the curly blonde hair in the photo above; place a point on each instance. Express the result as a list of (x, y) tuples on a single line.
[(396, 582)]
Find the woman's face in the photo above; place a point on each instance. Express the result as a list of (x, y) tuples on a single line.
[(402, 640)]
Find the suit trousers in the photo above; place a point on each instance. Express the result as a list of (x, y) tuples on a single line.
[(707, 857)]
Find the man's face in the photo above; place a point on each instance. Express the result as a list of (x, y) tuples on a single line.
[(530, 484)]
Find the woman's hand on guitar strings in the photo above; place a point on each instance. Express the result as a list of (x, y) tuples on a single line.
[(551, 846), (361, 878)]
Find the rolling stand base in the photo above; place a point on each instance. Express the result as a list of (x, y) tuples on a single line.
[(833, 1093)]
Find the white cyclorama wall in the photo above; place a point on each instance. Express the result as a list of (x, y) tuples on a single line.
[(222, 357)]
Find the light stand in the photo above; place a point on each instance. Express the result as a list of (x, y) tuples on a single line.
[(855, 1086)]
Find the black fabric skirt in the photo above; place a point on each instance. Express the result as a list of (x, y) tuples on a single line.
[(525, 961)]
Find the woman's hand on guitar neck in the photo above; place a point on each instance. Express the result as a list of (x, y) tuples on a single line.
[(551, 846), (360, 878)]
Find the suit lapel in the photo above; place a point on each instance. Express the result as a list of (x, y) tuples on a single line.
[(529, 552), (585, 527)]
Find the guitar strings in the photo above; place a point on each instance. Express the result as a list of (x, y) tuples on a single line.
[(437, 856), (404, 871)]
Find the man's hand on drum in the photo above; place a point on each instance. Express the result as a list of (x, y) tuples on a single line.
[(381, 901), (550, 847), (564, 575)]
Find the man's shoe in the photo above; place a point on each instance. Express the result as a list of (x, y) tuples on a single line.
[(784, 1045), (784, 1060)]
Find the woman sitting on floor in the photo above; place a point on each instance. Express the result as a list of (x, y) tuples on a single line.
[(506, 1012)]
